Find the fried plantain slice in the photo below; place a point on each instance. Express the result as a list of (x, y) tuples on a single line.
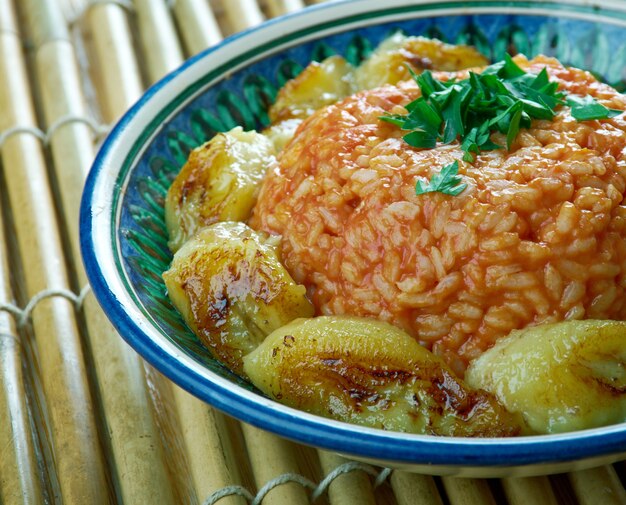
[(232, 291), (219, 182), (371, 373), (561, 377), (388, 63)]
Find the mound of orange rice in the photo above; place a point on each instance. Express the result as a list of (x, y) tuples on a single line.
[(537, 236)]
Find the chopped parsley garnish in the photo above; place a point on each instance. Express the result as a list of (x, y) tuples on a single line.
[(587, 109), (502, 98), (446, 181)]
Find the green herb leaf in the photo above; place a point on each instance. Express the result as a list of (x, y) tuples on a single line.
[(510, 69), (446, 181), (587, 109), (550, 100), (541, 80), (453, 116), (426, 117), (427, 83), (467, 155), (514, 126), (395, 119), (420, 138)]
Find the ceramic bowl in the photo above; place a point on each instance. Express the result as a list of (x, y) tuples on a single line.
[(124, 238)]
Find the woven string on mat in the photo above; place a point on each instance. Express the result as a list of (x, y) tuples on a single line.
[(99, 130), (316, 490)]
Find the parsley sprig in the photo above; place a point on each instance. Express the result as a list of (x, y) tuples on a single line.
[(502, 98), (446, 181), (587, 109)]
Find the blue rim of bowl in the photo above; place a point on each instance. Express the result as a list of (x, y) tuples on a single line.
[(297, 425)]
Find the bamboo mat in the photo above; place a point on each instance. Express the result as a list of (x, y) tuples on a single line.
[(83, 420)]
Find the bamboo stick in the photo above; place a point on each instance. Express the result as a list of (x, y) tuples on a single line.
[(161, 48), (197, 25), (598, 485), (562, 489), (411, 488), (175, 456), (208, 469), (467, 491), (77, 455), (270, 457), (7, 21), (117, 76), (243, 14), (620, 470), (528, 491), (19, 479), (19, 483), (236, 439), (349, 488), (310, 467), (135, 443), (279, 7)]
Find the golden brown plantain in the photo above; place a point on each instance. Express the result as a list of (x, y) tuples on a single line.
[(388, 63), (561, 377), (368, 372), (232, 291), (219, 182), (319, 84)]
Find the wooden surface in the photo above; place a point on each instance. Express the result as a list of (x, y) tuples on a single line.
[(83, 420)]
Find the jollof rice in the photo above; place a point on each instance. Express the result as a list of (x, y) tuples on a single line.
[(537, 236)]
